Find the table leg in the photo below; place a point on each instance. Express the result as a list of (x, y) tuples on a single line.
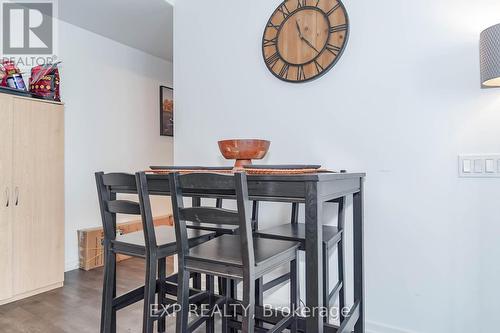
[(314, 259), (358, 258)]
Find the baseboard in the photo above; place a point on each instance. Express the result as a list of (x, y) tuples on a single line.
[(374, 327), (33, 293)]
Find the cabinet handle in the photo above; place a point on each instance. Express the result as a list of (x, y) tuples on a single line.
[(7, 197), (16, 191)]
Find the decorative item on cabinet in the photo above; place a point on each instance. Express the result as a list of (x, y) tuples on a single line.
[(45, 82), (11, 76)]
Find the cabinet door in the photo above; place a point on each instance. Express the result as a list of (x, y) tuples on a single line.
[(38, 223), (5, 196)]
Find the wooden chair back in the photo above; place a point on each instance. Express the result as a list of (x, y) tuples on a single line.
[(108, 185), (212, 184)]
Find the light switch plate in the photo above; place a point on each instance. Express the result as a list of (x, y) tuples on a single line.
[(479, 166), (489, 166), (466, 166)]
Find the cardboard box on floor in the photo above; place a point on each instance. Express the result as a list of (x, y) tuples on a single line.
[(90, 241)]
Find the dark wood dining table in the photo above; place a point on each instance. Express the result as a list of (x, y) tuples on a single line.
[(313, 190)]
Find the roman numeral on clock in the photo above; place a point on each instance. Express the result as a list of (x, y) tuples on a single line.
[(270, 42), (272, 25), (301, 3), (331, 11), (273, 59), (333, 49), (284, 71), (319, 68), (338, 28), (300, 73), (283, 9)]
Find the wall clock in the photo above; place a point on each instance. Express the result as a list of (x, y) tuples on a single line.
[(304, 39)]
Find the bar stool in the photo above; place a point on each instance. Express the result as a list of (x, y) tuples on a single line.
[(332, 236), (154, 244), (219, 229), (239, 257)]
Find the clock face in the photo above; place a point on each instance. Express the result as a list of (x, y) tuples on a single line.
[(304, 39)]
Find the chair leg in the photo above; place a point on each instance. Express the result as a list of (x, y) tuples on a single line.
[(247, 318), (234, 289), (197, 281), (109, 287), (225, 314), (233, 295), (183, 301), (326, 283), (259, 297), (162, 277), (220, 285), (149, 293), (210, 324), (294, 292), (225, 290)]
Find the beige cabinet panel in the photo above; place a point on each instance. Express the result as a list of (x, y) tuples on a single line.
[(38, 181), (5, 197)]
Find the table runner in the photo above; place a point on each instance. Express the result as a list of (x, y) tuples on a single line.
[(249, 171)]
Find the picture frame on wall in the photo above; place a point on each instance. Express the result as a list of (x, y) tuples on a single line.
[(166, 111)]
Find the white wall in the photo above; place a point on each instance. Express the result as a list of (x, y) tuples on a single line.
[(111, 93), (401, 104)]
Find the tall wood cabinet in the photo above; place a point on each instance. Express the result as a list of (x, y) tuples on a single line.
[(31, 197)]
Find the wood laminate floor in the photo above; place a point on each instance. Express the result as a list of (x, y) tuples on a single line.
[(76, 307)]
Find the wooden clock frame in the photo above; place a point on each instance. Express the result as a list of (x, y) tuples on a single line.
[(287, 14)]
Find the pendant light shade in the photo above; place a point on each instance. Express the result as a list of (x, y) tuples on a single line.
[(490, 56)]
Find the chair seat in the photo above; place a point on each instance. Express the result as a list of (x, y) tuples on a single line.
[(218, 228), (297, 232), (226, 249), (165, 236)]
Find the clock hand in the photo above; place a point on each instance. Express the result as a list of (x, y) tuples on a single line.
[(298, 28), (303, 38), (309, 43)]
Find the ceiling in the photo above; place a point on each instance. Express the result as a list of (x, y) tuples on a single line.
[(146, 25)]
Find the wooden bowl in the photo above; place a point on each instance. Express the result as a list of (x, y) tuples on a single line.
[(244, 150)]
